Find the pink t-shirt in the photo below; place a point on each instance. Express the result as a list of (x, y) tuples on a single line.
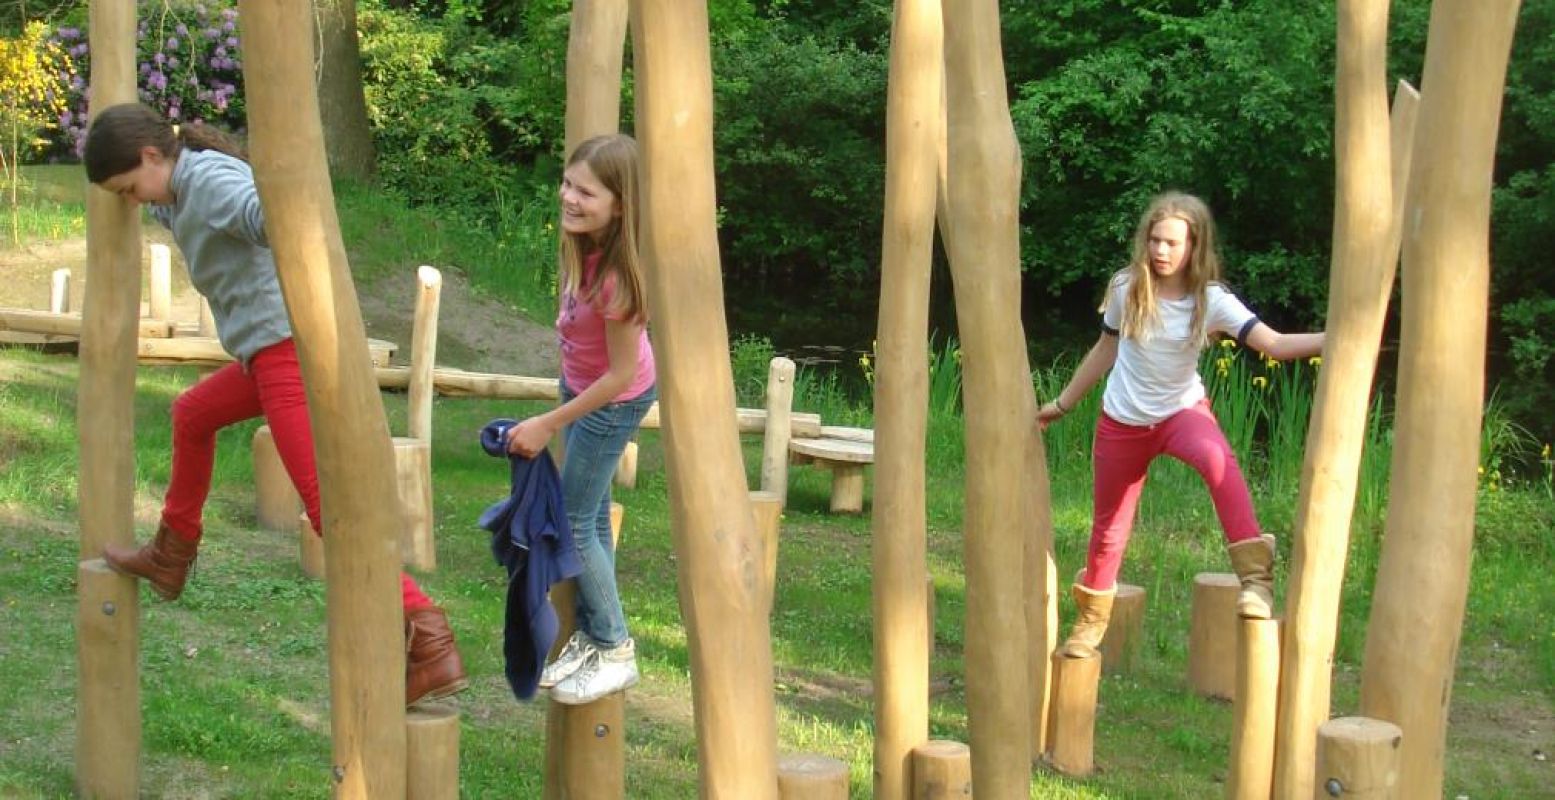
[(580, 330)]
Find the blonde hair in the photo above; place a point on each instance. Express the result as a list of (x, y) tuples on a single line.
[(1202, 268), (613, 160)]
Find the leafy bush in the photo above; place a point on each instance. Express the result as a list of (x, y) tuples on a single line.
[(187, 61)]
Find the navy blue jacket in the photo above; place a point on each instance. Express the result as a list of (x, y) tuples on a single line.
[(530, 536)]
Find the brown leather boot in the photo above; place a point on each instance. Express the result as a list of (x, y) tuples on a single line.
[(433, 668), (1090, 624), (1253, 562), (164, 562)]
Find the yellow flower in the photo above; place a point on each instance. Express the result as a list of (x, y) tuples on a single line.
[(1546, 453), (1227, 344), (1316, 361), (1271, 363), (1260, 381)]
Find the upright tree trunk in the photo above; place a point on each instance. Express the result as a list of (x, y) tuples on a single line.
[(713, 527), (983, 192), (362, 521), (348, 138), (900, 601), (1423, 576), (1360, 282)]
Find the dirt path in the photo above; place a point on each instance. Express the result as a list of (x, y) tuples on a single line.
[(474, 332)]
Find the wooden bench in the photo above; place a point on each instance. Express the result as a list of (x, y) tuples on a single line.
[(846, 458)]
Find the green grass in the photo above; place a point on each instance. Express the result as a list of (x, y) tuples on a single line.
[(234, 675)]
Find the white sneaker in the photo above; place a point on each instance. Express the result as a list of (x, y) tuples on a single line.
[(578, 648), (603, 672)]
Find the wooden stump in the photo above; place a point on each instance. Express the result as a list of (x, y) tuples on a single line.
[(768, 508), (1212, 635), (310, 548), (846, 459), (1257, 700), (1072, 719), (626, 467), (1120, 646), (59, 291), (594, 748), (432, 753), (108, 705), (617, 519), (807, 776), (276, 502), (1358, 759), (941, 770), (413, 474)]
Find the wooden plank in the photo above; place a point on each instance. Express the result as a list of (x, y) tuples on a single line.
[(69, 324), (205, 351), (835, 450)]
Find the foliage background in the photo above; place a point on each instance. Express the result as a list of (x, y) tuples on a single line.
[(1112, 100)]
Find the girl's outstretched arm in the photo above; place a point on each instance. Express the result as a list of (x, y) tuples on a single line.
[(1284, 346), (621, 341), (1095, 365)]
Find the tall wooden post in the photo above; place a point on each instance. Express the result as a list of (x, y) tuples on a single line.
[(1360, 282), (719, 566), (423, 353), (984, 171), (1422, 579), (351, 434), (595, 41), (160, 283), (779, 428), (900, 552), (108, 727)]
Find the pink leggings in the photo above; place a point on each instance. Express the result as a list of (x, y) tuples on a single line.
[(1122, 454), (272, 386)]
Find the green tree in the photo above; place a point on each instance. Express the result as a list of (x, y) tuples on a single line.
[(31, 100)]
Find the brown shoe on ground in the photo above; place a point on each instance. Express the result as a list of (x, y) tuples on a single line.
[(164, 562), (433, 668)]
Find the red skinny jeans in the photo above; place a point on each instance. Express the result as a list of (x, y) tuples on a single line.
[(1121, 457), (271, 385)]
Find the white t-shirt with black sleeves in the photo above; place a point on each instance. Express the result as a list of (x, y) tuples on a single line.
[(1157, 376)]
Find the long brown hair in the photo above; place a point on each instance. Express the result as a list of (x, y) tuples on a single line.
[(613, 160), (118, 133), (1140, 316)]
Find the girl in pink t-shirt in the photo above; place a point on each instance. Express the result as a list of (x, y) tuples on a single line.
[(1159, 313), (608, 383)]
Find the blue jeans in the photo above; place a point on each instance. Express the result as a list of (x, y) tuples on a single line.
[(594, 444)]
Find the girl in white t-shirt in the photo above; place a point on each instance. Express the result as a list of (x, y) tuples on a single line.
[(1159, 313)]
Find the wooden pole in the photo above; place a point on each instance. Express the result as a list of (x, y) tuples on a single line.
[(207, 324), (160, 283), (59, 291), (900, 553), (413, 485), (310, 548), (595, 744), (432, 752), (774, 442), (768, 509), (1071, 732), (351, 434), (1120, 645), (941, 770), (108, 733), (807, 776), (626, 467), (1358, 759), (713, 529), (1368, 195), (1212, 635), (423, 354), (595, 41), (1423, 574), (1041, 598), (1257, 697), (984, 172), (276, 502)]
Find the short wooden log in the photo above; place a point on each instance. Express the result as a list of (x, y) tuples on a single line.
[(846, 459), (808, 776), (847, 488), (59, 291), (1257, 701), (1071, 731), (310, 548), (1358, 759), (768, 508), (1212, 635), (594, 748), (160, 304), (941, 770), (413, 474), (432, 752), (276, 502), (1120, 646), (108, 701), (626, 467)]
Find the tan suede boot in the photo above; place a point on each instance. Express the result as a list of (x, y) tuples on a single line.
[(1253, 561), (433, 668), (1090, 625), (164, 562)]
